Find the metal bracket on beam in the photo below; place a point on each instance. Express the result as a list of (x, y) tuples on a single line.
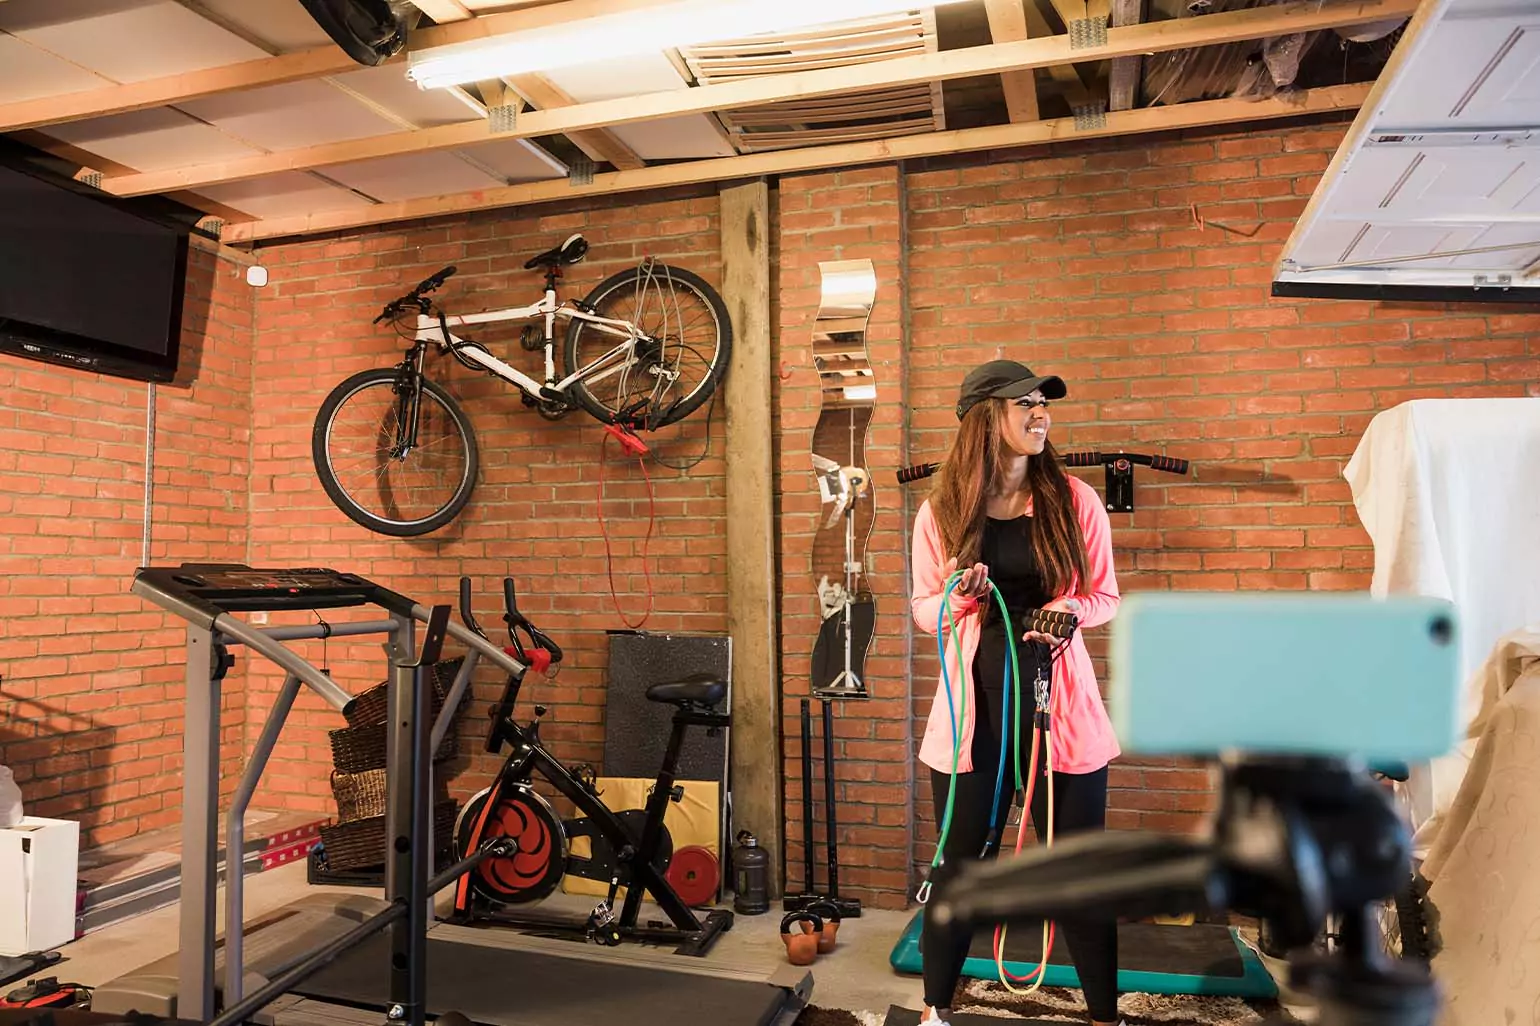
[(91, 178), (1091, 115), (580, 172), (503, 118), (213, 225), (1087, 32)]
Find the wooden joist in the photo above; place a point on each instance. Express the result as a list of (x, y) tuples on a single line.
[(1154, 119)]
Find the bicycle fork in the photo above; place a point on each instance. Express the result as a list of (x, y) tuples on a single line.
[(408, 401)]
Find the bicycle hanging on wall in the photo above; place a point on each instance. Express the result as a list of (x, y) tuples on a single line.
[(397, 453)]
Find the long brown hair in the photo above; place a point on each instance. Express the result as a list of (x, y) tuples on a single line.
[(976, 468)]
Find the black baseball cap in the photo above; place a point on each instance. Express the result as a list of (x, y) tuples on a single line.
[(1005, 379)]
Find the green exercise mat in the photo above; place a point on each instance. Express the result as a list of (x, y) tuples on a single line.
[(1204, 958)]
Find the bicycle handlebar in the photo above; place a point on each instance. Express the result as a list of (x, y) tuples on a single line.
[(515, 620), (1170, 464), (428, 284)]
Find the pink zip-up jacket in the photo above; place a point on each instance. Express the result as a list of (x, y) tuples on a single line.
[(1083, 740)]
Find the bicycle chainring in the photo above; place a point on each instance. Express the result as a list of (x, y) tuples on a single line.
[(553, 409)]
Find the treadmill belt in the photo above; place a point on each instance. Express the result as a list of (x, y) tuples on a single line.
[(503, 987), (1205, 958)]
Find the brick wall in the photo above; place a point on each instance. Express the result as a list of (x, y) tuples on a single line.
[(534, 513), (90, 710)]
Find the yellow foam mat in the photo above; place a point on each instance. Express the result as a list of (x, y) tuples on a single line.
[(695, 820)]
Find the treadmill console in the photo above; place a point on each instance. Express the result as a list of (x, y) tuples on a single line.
[(214, 588)]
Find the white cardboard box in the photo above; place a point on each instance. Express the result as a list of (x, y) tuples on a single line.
[(38, 861)]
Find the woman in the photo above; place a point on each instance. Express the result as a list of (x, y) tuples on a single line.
[(1004, 509)]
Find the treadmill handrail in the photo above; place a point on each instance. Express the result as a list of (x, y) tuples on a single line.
[(288, 659)]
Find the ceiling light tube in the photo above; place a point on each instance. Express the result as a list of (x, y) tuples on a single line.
[(627, 33)]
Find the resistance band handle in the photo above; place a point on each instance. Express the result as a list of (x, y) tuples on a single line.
[(1056, 622)]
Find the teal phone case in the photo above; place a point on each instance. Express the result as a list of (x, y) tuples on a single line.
[(1346, 674)]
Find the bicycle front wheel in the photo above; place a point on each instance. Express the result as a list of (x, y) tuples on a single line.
[(670, 373), (358, 457)]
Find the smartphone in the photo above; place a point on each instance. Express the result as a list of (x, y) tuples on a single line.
[(1326, 674)]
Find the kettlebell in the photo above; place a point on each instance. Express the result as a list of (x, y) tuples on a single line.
[(830, 912), (801, 948)]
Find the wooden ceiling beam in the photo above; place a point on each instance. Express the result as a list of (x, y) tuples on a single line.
[(1008, 23), (880, 151), (596, 143), (1180, 34), (1123, 77)]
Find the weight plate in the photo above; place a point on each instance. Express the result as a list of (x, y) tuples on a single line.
[(695, 874), (532, 873)]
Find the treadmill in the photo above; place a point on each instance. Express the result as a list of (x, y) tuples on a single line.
[(495, 977)]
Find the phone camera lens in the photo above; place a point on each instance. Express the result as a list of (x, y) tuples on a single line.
[(1442, 630)]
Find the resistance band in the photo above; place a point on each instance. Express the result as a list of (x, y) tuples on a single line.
[(1042, 721)]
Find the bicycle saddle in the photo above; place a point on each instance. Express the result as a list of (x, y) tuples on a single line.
[(569, 252), (702, 688)]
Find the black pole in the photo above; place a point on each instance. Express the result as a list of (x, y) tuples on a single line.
[(807, 794), (831, 843), (406, 824)]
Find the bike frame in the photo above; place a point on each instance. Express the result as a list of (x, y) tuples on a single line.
[(435, 329), (528, 756)]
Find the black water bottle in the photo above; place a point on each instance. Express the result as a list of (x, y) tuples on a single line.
[(751, 876)]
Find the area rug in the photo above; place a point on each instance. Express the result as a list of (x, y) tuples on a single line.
[(1058, 1004)]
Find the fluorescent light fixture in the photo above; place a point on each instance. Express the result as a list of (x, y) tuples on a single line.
[(648, 29), (860, 392)]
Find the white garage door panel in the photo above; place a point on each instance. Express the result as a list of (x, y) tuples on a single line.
[(1328, 242), (1480, 73), (1404, 183)]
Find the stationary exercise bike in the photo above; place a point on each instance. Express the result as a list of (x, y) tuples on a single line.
[(629, 849)]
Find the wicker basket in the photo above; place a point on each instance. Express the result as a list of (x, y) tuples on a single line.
[(361, 843), (360, 746), (370, 709), (359, 795)]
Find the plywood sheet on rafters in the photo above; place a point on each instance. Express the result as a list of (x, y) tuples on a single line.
[(906, 110), (125, 40), (679, 138)]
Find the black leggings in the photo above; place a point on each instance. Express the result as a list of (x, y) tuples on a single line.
[(1079, 804)]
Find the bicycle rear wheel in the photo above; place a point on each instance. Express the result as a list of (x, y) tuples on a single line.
[(668, 378), (354, 447)]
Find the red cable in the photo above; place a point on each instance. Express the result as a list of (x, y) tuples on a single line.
[(635, 445), (1021, 829)]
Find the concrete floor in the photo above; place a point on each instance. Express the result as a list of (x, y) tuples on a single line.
[(855, 977)]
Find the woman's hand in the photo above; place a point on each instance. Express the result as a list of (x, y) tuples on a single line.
[(1071, 606), (1066, 605), (973, 584)]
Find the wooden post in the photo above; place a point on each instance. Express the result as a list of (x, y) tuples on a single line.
[(751, 591)]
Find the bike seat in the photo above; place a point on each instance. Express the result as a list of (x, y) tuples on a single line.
[(569, 252), (697, 688)]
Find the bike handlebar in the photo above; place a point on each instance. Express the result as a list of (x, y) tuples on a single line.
[(428, 284)]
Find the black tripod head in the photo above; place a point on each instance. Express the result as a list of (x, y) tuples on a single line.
[(1295, 839)]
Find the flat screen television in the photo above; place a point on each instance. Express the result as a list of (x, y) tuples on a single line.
[(88, 280)]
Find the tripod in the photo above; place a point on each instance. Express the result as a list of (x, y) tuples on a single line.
[(1296, 839)]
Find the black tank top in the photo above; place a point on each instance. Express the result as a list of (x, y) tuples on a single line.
[(1007, 551)]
